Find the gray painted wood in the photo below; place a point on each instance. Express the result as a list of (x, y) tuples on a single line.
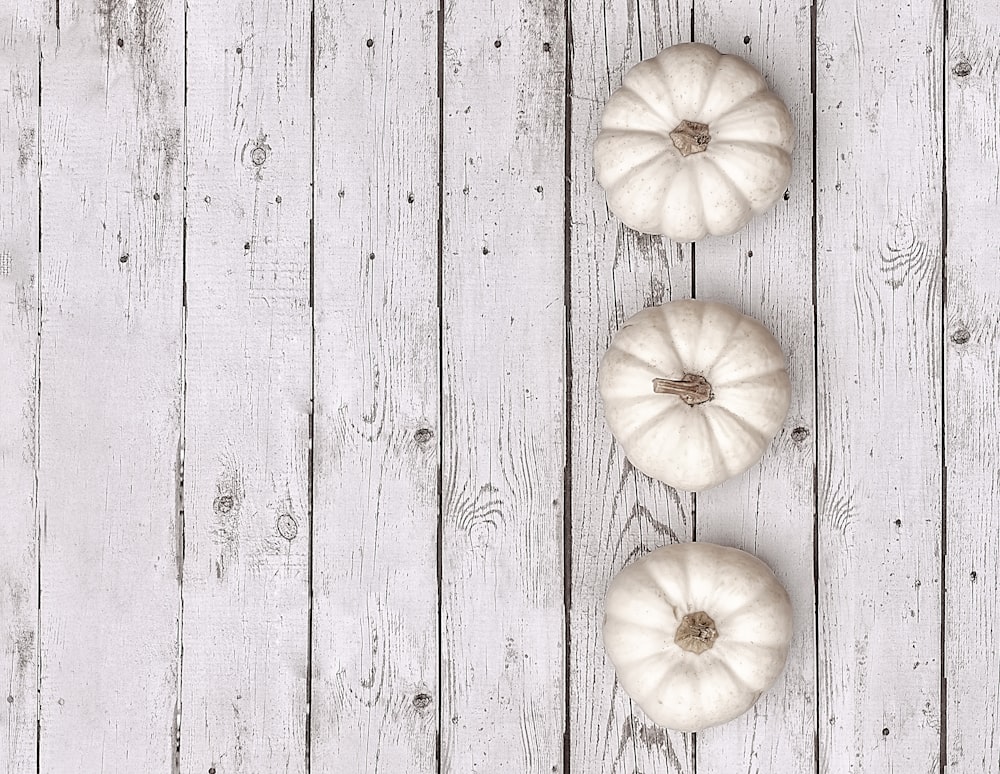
[(879, 371), (765, 270), (503, 403), (19, 82), (375, 689), (133, 468), (972, 395), (617, 513), (112, 194), (248, 389)]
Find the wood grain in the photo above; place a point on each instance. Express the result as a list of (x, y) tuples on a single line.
[(879, 371), (375, 696), (765, 270), (19, 228), (248, 377), (111, 385), (971, 392), (617, 513), (503, 422)]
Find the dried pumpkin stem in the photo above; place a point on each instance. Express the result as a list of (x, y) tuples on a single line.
[(690, 137), (697, 632), (692, 388)]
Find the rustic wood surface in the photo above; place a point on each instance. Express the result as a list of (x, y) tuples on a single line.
[(303, 467), (111, 388), (248, 376)]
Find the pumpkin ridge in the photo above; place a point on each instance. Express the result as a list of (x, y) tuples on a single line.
[(738, 104), (655, 419), (745, 380), (650, 107), (728, 180), (637, 359), (739, 319), (665, 331), (612, 185), (708, 89), (754, 432)]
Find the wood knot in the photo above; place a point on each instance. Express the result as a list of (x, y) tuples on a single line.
[(422, 701), (961, 336), (258, 156), (288, 527), (423, 435), (223, 503), (799, 434), (121, 43), (123, 258), (962, 69), (746, 40)]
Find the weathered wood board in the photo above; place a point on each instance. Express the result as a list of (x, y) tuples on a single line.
[(110, 386), (503, 387), (248, 377), (20, 27), (970, 727), (375, 688), (878, 374)]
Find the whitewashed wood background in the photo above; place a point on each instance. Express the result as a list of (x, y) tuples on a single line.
[(302, 463)]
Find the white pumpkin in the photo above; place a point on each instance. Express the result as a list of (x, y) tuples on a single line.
[(694, 391), (696, 633), (693, 143)]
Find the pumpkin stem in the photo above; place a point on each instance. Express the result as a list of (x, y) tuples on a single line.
[(697, 632), (692, 388), (690, 137)]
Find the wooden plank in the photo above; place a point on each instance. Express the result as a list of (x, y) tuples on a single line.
[(971, 395), (19, 89), (879, 371), (503, 450), (248, 375), (765, 270), (375, 690), (617, 513), (111, 385)]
